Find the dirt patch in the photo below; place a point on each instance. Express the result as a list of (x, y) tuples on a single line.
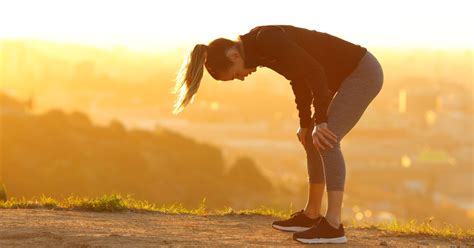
[(60, 228)]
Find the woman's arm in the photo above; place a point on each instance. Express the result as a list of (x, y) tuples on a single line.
[(303, 99)]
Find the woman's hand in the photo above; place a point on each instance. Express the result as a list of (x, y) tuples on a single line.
[(321, 134), (301, 133)]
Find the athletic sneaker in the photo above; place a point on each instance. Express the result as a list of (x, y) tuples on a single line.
[(321, 233), (298, 221)]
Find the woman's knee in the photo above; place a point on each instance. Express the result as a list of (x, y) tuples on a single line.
[(336, 148), (308, 141)]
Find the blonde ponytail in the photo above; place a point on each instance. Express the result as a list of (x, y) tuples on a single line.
[(189, 77)]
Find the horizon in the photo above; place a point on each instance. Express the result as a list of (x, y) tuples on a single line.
[(185, 46)]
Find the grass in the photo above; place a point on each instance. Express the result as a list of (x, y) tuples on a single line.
[(424, 228), (115, 202)]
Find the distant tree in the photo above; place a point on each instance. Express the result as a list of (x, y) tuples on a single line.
[(80, 118), (116, 126), (29, 104), (245, 174)]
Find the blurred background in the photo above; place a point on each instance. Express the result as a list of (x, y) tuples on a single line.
[(85, 107)]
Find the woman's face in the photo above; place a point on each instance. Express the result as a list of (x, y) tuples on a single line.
[(237, 70)]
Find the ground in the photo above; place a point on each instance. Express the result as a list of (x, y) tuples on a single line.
[(70, 228)]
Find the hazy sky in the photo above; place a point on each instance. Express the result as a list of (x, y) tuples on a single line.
[(140, 24)]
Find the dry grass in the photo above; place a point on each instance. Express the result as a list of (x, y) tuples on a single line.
[(115, 202)]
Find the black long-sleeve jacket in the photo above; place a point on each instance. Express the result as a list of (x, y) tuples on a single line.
[(315, 62)]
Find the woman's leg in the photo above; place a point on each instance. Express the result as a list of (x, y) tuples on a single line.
[(316, 182), (352, 99)]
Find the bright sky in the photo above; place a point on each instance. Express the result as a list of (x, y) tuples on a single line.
[(157, 25)]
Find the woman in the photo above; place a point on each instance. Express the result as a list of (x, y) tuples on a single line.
[(337, 77)]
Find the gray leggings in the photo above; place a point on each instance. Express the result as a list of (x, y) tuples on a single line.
[(344, 111)]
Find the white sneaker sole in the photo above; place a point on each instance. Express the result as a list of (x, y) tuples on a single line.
[(339, 240), (291, 228)]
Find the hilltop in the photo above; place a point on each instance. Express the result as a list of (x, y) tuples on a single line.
[(115, 221), (46, 228)]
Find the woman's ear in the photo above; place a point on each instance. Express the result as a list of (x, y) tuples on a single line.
[(233, 54)]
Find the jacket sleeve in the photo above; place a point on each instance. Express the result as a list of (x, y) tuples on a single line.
[(301, 67), (303, 99)]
